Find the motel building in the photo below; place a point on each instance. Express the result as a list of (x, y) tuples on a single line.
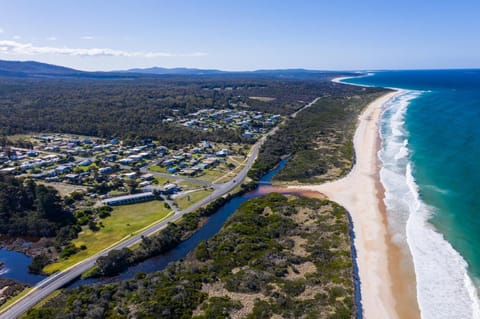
[(129, 199)]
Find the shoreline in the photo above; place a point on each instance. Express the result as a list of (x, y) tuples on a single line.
[(388, 286)]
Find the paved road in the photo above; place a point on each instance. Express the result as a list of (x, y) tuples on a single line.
[(60, 279)]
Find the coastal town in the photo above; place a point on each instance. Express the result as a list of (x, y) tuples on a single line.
[(113, 172), (239, 160)]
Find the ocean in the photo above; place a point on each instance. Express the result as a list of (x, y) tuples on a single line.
[(430, 170)]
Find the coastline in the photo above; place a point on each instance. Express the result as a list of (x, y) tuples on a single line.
[(388, 287)]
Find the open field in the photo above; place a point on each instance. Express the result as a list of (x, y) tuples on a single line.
[(210, 175), (191, 198), (186, 186), (158, 169), (124, 221), (65, 189)]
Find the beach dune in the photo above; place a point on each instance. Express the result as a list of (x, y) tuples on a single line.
[(387, 280)]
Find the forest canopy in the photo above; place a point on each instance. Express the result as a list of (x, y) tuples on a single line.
[(135, 109), (29, 209)]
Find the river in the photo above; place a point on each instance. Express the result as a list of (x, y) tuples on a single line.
[(16, 263)]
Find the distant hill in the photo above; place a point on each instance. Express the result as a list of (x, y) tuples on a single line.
[(192, 71), (174, 71), (33, 69)]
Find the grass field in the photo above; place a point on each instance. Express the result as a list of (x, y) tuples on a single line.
[(191, 198), (186, 186), (157, 169), (64, 189), (124, 221)]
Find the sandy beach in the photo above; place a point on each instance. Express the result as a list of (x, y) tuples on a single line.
[(385, 269)]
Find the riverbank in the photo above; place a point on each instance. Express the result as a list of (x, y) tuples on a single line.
[(385, 269), (267, 260)]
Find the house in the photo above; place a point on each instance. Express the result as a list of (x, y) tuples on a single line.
[(172, 170), (210, 161), (147, 177), (162, 150), (73, 178), (135, 158), (62, 169), (105, 170), (130, 175), (222, 153), (170, 189), (40, 163), (125, 161), (25, 166), (144, 154), (8, 170), (197, 168), (144, 184), (86, 162), (110, 158), (247, 134), (203, 166), (32, 153), (129, 199), (169, 162), (205, 144), (188, 172), (274, 118), (182, 165)]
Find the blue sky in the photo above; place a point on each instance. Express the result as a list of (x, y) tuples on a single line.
[(243, 35)]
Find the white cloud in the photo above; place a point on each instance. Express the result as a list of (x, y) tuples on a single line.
[(87, 37), (14, 47), (51, 38)]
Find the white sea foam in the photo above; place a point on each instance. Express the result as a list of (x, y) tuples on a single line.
[(444, 289), (4, 270)]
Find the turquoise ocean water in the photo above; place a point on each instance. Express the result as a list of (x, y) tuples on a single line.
[(430, 158)]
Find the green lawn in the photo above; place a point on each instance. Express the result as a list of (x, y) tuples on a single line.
[(191, 198), (124, 221), (209, 175), (159, 169), (186, 186)]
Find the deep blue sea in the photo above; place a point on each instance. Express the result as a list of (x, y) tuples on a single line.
[(430, 159)]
